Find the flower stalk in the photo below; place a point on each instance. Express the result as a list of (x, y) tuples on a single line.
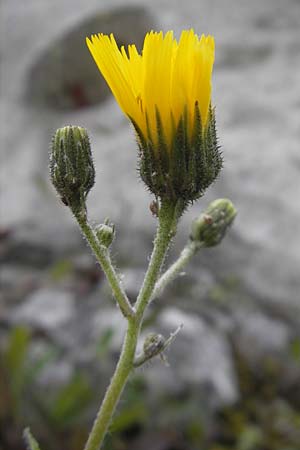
[(208, 230), (168, 217), (103, 257), (175, 269), (115, 388)]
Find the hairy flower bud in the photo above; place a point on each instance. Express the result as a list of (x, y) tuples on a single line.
[(105, 233), (71, 166), (153, 344), (189, 166), (211, 226)]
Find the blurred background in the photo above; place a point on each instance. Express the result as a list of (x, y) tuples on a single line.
[(234, 376)]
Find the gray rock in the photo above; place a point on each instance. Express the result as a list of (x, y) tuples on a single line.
[(259, 336), (256, 90), (109, 319), (200, 358), (65, 76), (56, 372), (48, 309), (133, 280), (16, 282), (248, 129), (265, 344)]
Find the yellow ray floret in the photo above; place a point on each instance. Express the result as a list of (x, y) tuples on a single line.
[(168, 77)]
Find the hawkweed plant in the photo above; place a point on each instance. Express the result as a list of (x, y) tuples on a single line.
[(165, 91)]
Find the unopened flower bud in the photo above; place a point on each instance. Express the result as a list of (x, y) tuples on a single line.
[(153, 345), (71, 166), (211, 226), (105, 233)]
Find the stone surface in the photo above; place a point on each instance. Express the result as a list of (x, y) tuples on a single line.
[(257, 49), (259, 335), (109, 319), (199, 357), (256, 91), (48, 309)]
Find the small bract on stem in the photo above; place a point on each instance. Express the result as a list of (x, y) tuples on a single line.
[(179, 157)]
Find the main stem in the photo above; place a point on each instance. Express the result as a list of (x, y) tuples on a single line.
[(167, 224), (167, 227), (115, 388)]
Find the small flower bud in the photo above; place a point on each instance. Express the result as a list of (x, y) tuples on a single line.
[(210, 228), (71, 166), (105, 233), (153, 345)]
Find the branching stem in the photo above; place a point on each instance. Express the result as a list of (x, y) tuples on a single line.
[(103, 257), (168, 217)]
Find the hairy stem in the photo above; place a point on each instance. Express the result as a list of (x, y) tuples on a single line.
[(166, 230), (115, 388), (167, 224), (102, 255), (173, 271)]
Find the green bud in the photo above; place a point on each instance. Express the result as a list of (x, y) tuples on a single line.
[(153, 345), (71, 166), (105, 233), (211, 226)]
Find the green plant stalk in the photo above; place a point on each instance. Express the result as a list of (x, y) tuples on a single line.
[(168, 218), (174, 270), (116, 386), (167, 224), (102, 255)]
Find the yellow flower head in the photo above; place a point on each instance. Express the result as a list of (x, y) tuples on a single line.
[(168, 77), (166, 93)]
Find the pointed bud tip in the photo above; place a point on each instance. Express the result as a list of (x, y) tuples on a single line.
[(105, 233), (153, 344), (71, 166), (211, 226)]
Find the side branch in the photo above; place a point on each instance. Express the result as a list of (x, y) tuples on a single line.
[(174, 270), (167, 224), (103, 257)]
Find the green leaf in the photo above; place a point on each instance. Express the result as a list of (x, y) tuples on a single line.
[(16, 352), (36, 366), (14, 359), (251, 438), (30, 441), (295, 349), (71, 401)]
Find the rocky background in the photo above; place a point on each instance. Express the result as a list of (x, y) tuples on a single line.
[(234, 375)]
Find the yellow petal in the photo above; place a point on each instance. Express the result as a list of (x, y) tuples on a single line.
[(169, 77)]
